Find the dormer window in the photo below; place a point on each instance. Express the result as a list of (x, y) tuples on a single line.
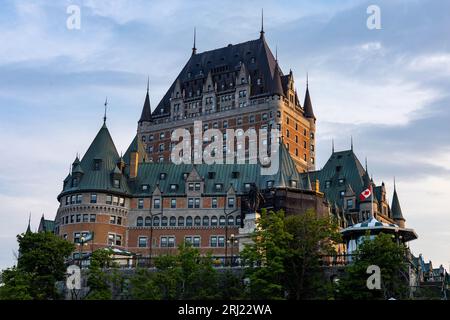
[(74, 182), (341, 181), (327, 184), (247, 186), (162, 176), (145, 187), (269, 184), (235, 174), (293, 183), (173, 187), (116, 183), (218, 186), (97, 164), (211, 175)]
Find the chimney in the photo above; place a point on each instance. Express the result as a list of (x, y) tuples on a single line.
[(134, 160), (317, 186)]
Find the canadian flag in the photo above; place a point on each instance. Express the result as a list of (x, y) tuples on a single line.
[(365, 194)]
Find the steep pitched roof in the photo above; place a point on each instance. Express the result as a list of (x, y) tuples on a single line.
[(102, 150), (342, 166), (135, 146), (224, 64), (395, 208), (146, 115), (307, 105)]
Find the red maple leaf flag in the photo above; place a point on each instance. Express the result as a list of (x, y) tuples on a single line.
[(365, 194)]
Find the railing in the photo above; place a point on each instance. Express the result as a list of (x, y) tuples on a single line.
[(342, 259)]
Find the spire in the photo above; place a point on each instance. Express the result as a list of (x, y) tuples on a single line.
[(146, 114), (261, 33), (106, 105), (194, 49), (277, 87), (395, 207), (29, 224), (276, 54), (307, 106)]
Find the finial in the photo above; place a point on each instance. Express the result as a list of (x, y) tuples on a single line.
[(332, 145), (148, 83), (366, 166), (29, 224), (276, 53), (351, 142), (106, 105), (262, 23), (394, 184), (307, 80), (194, 49)]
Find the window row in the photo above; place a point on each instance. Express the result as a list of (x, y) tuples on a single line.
[(189, 221), (192, 202), (195, 241), (78, 218), (110, 199)]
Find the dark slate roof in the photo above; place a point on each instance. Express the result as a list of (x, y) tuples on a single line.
[(102, 148), (307, 105), (135, 146), (395, 208), (341, 165), (46, 225), (146, 114), (224, 65)]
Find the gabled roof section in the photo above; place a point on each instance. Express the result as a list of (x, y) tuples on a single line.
[(224, 65)]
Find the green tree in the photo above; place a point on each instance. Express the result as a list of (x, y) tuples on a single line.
[(284, 259), (390, 257), (311, 239), (99, 280), (144, 286), (265, 258), (40, 265)]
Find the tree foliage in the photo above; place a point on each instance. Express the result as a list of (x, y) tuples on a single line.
[(390, 257), (40, 265)]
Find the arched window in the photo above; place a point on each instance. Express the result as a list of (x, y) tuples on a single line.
[(156, 221), (188, 221), (173, 221), (197, 221), (205, 221), (148, 221), (181, 221), (230, 220), (238, 220), (140, 222), (164, 221), (222, 221), (213, 221)]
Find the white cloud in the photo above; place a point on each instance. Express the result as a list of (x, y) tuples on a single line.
[(437, 63)]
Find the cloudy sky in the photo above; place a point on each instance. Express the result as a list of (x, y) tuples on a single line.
[(387, 88)]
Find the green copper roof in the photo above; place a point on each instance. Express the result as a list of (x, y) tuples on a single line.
[(103, 152), (342, 169)]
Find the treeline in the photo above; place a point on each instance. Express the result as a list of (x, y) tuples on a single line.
[(285, 261)]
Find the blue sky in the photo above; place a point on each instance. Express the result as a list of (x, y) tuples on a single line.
[(387, 88)]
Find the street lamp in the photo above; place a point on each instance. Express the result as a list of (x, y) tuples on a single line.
[(226, 229), (232, 241), (151, 227), (81, 244)]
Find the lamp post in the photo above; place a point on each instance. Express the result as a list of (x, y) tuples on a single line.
[(226, 229), (232, 241), (81, 244), (151, 227)]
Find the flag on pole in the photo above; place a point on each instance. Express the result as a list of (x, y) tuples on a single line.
[(366, 193)]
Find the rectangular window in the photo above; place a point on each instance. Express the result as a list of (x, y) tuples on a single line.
[(171, 242), (67, 200), (221, 241), (163, 242), (197, 187), (214, 203), (78, 218), (230, 202), (188, 240), (191, 187), (112, 219), (142, 243), (116, 183), (173, 203), (93, 198), (196, 241), (119, 220), (156, 203), (72, 220), (140, 203), (76, 237), (108, 199), (92, 218), (115, 200), (213, 241), (72, 199), (190, 202), (350, 203), (197, 202), (85, 218), (122, 202)]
